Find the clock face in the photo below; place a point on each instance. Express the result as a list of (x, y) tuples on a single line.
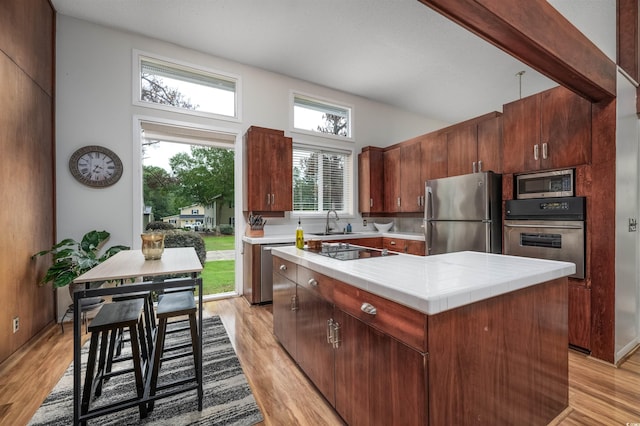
[(95, 166)]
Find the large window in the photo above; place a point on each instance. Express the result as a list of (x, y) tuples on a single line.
[(321, 180), (169, 85), (315, 115)]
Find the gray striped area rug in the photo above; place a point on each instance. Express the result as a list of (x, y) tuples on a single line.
[(227, 396)]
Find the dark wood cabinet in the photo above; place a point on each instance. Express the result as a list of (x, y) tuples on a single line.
[(475, 147), (402, 245), (285, 304), (371, 180), (387, 384), (403, 184), (270, 171), (392, 180), (251, 272), (434, 157), (314, 354), (548, 130), (579, 316), (411, 183)]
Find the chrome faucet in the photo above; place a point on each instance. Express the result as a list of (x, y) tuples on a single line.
[(327, 228)]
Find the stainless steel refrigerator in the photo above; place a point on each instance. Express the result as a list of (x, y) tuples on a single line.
[(464, 213)]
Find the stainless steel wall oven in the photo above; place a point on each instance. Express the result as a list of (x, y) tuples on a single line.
[(547, 228)]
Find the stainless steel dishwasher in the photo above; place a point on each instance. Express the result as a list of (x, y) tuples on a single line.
[(266, 271)]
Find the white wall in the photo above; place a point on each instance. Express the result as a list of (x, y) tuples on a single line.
[(94, 106), (627, 321)]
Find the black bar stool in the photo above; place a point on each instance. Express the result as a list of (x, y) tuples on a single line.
[(111, 318), (117, 340), (173, 305)]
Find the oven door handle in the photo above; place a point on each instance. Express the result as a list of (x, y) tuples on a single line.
[(544, 226)]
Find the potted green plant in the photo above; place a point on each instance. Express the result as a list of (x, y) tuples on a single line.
[(71, 258)]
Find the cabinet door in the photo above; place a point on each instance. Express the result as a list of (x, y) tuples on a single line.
[(392, 180), (415, 247), (462, 150), (284, 312), (521, 134), (258, 141), (281, 173), (379, 381), (371, 180), (566, 129), (314, 352), (433, 150), (411, 183), (490, 145)]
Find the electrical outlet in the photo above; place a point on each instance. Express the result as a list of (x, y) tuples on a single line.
[(364, 222), (16, 324)]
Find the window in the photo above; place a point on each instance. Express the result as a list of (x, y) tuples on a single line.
[(314, 115), (194, 211), (171, 86), (321, 180)]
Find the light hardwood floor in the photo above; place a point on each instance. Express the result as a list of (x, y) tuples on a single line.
[(599, 394)]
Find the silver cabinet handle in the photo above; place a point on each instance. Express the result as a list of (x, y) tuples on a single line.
[(330, 331), (336, 335), (370, 202), (368, 308), (544, 151), (473, 167), (398, 201), (393, 243), (418, 200), (535, 152), (283, 267), (313, 282), (479, 166), (273, 199), (268, 199)]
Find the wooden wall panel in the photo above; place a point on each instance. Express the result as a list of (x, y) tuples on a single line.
[(27, 194), (628, 37), (26, 36)]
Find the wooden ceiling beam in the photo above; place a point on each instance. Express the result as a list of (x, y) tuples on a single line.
[(537, 34)]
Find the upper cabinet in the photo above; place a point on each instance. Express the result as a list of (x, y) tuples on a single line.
[(475, 147), (549, 130), (371, 180), (392, 180), (403, 184), (433, 151), (269, 165)]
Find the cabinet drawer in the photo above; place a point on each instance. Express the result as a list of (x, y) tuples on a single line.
[(393, 244), (285, 268), (316, 282), (403, 323)]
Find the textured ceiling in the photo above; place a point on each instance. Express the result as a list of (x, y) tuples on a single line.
[(398, 52)]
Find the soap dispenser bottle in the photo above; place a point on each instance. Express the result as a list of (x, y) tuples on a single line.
[(299, 236)]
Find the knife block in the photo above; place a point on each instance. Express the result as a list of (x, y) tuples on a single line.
[(254, 233)]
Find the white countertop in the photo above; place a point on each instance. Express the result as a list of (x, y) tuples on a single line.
[(437, 283), (291, 238)]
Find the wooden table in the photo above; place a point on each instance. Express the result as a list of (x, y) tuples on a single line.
[(126, 266)]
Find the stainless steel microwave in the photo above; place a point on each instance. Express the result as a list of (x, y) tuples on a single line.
[(558, 183)]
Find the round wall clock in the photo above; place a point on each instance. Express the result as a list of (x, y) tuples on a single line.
[(95, 166)]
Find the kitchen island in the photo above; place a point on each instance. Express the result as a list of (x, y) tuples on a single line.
[(460, 338)]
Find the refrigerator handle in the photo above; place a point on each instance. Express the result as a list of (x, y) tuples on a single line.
[(428, 215)]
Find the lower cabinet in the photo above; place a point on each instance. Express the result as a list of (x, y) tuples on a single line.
[(369, 376), (401, 245), (284, 304), (379, 380), (315, 355)]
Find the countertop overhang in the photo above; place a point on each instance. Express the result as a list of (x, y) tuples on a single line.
[(436, 283)]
